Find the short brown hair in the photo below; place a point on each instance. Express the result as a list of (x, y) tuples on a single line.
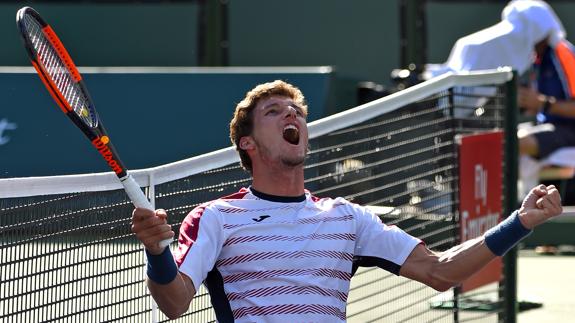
[(242, 122)]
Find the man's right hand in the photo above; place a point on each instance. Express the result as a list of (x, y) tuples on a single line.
[(151, 227)]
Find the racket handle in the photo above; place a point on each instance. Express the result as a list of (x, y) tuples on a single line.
[(135, 193), (164, 243), (140, 200)]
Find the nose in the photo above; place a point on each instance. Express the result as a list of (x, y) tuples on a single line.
[(291, 112)]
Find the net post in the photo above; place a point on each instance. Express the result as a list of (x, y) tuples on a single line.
[(509, 290), (455, 207)]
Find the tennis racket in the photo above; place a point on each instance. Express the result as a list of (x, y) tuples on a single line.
[(64, 82)]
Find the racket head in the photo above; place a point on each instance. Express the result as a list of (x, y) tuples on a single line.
[(64, 82), (56, 68)]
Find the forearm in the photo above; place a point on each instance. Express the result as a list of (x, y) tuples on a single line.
[(173, 298), (461, 262), (443, 270), (474, 254), (172, 290), (561, 108), (451, 267), (534, 102)]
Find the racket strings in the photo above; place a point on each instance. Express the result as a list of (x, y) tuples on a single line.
[(58, 71)]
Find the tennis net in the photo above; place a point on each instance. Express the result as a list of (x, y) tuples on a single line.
[(67, 252)]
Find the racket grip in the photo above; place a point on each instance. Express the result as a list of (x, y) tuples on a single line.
[(135, 193), (164, 243), (140, 200)]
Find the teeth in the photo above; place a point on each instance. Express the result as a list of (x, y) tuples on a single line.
[(290, 126)]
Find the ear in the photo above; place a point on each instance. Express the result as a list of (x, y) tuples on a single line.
[(246, 143)]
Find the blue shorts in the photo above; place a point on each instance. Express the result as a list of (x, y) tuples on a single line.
[(549, 139)]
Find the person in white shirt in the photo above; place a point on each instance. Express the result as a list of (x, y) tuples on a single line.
[(531, 40)]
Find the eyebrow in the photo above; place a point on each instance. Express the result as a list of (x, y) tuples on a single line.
[(293, 104), (270, 105)]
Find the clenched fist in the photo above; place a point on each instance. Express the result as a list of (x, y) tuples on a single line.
[(542, 203), (151, 227)]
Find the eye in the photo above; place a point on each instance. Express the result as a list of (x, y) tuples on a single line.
[(298, 110), (271, 112)]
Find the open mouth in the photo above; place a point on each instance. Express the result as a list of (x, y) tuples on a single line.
[(291, 134)]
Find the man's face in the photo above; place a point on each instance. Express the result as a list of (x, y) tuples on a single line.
[(279, 133)]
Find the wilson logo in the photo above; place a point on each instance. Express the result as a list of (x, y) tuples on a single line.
[(101, 144)]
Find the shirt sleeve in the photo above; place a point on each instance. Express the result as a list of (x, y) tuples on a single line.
[(380, 245), (199, 243)]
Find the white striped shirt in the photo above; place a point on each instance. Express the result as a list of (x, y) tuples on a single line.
[(276, 259)]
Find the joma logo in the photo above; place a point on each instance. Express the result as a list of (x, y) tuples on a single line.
[(261, 218)]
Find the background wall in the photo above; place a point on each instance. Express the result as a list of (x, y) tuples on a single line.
[(360, 39), (107, 34), (150, 124)]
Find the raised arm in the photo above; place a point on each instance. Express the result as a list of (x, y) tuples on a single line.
[(172, 290), (444, 270)]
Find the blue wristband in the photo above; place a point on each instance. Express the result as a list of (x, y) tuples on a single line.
[(161, 268), (504, 236)]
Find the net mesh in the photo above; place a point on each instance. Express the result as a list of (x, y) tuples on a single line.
[(72, 257)]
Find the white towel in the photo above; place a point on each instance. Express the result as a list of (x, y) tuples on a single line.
[(508, 43)]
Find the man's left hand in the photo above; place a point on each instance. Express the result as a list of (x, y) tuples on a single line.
[(542, 203)]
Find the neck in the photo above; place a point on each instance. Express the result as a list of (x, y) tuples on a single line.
[(285, 182)]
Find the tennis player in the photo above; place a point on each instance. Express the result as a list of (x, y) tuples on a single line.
[(273, 252)]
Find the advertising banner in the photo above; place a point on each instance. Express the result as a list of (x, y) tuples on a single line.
[(480, 181)]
